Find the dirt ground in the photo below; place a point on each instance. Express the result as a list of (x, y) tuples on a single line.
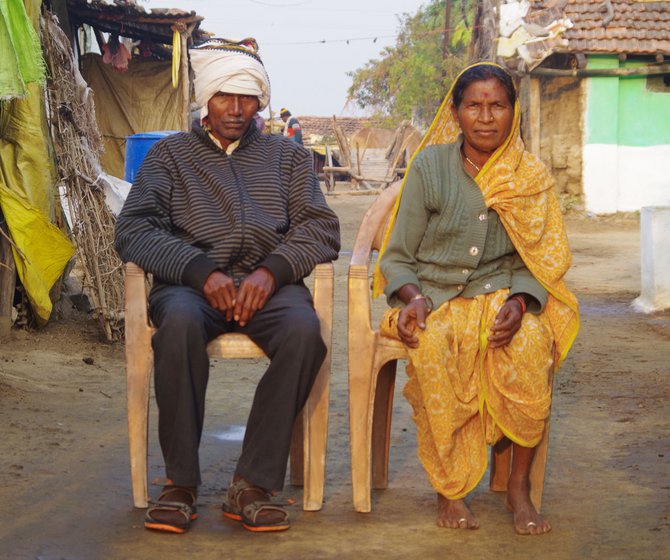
[(64, 474)]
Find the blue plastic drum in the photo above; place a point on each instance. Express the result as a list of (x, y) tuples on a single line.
[(137, 147)]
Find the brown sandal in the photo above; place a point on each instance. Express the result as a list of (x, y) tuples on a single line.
[(249, 514), (188, 512)]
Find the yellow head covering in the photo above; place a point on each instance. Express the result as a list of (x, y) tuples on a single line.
[(518, 186)]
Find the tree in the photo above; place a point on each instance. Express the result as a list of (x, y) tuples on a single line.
[(411, 78)]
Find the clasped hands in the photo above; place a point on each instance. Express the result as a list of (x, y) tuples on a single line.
[(239, 304), (505, 326)]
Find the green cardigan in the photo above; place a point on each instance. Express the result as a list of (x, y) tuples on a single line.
[(445, 240)]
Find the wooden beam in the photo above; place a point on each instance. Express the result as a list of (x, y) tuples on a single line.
[(649, 70), (185, 83), (7, 280), (534, 115), (330, 183)]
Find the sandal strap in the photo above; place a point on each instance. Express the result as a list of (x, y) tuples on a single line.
[(168, 490), (252, 510), (237, 488), (177, 507)]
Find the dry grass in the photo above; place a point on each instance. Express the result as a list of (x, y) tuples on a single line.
[(77, 144)]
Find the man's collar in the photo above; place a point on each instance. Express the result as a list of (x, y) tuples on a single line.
[(231, 147), (247, 137)]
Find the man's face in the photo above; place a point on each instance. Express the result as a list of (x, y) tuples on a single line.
[(229, 116), (284, 117)]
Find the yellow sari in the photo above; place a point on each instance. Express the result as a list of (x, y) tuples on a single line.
[(464, 394)]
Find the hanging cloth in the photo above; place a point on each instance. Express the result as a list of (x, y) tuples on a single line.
[(20, 51), (176, 56)]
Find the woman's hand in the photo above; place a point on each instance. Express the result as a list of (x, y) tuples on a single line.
[(411, 316), (507, 323)]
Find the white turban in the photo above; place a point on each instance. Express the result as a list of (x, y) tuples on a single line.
[(231, 67)]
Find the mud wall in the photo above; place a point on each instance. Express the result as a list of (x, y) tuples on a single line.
[(561, 132)]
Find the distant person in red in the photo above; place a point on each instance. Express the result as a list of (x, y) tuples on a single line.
[(292, 129)]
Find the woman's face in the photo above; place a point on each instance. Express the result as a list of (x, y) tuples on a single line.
[(485, 115)]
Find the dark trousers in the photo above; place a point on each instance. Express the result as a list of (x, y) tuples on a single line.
[(288, 331)]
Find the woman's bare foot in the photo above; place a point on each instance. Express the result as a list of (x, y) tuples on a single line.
[(454, 514), (527, 521)]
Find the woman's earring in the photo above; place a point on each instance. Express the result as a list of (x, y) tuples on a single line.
[(206, 127)]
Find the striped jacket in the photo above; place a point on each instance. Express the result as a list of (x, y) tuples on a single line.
[(194, 209)]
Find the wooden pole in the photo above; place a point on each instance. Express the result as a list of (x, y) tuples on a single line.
[(534, 115), (330, 182), (7, 280), (345, 153), (185, 83), (358, 159), (648, 70)]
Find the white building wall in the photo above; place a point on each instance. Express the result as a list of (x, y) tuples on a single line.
[(655, 259), (625, 178)]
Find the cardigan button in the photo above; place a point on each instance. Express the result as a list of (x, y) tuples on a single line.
[(474, 251), (487, 286), (459, 287), (482, 217), (465, 271)]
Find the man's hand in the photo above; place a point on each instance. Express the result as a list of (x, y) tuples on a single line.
[(507, 323), (220, 292), (411, 317), (254, 292)]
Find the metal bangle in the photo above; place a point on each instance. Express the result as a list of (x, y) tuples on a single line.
[(429, 302)]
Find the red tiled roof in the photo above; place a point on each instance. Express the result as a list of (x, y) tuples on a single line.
[(637, 26)]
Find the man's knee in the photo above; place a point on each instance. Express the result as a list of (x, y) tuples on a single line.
[(302, 330), (180, 320), (303, 325)]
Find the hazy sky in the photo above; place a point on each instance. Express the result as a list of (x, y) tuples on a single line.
[(307, 76)]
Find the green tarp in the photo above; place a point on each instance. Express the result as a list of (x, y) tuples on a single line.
[(21, 60)]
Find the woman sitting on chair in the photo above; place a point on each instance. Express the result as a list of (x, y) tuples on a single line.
[(473, 264)]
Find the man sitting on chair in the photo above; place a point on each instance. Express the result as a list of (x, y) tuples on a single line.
[(229, 222)]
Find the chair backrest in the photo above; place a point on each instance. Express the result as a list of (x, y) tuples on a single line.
[(369, 238), (371, 232)]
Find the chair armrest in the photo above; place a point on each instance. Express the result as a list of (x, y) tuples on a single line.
[(322, 295), (358, 298), (324, 270), (136, 315)]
